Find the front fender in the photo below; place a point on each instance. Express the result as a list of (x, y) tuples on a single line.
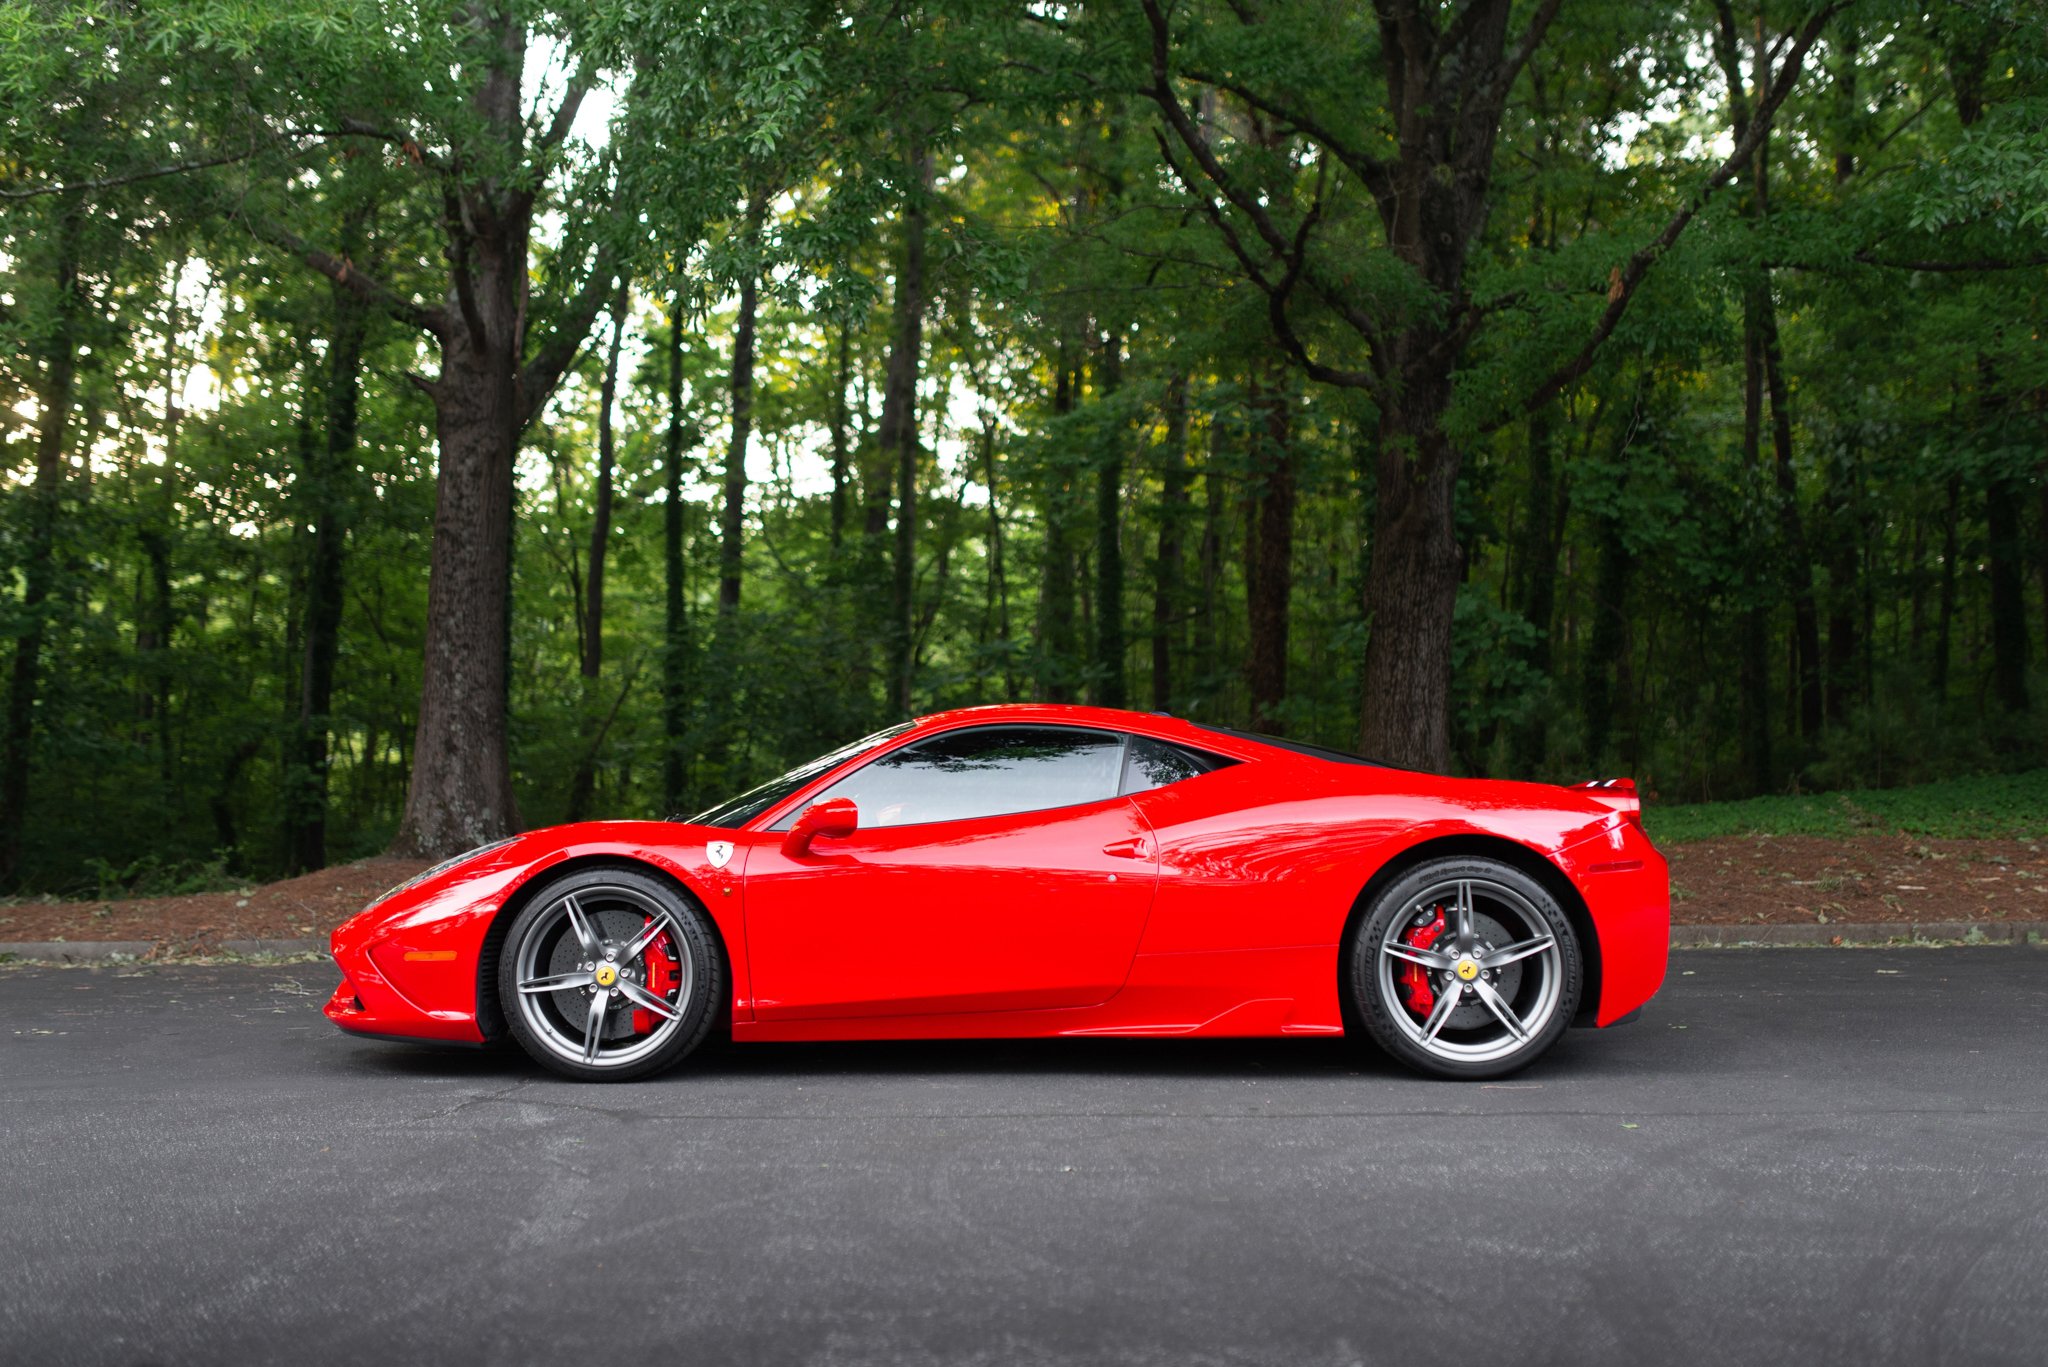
[(411, 960)]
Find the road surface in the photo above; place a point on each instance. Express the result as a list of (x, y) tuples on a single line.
[(1805, 1156)]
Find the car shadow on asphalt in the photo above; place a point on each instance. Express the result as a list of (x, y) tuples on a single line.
[(1190, 1059)]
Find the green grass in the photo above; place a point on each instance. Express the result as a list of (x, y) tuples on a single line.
[(2007, 806)]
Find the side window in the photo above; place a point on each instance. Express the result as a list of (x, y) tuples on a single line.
[(985, 771), (1152, 764)]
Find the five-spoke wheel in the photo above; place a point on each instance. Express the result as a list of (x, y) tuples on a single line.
[(1465, 968), (609, 973)]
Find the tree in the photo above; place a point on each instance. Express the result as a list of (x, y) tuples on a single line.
[(54, 397), (1391, 313)]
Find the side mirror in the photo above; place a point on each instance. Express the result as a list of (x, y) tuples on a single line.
[(835, 820)]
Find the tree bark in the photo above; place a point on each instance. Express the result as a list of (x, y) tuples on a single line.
[(1536, 598), (1167, 565), (1209, 551), (1107, 675), (583, 783), (996, 601), (1412, 582), (39, 554), (732, 516), (1763, 357), (842, 373), (675, 655), (1269, 559), (158, 623), (489, 389), (1056, 639), (329, 508), (461, 791), (1608, 641), (897, 432), (1448, 79)]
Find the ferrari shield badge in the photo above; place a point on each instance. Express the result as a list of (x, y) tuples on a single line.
[(718, 851)]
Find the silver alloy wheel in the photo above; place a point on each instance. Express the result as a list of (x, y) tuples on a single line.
[(1500, 953), (582, 969)]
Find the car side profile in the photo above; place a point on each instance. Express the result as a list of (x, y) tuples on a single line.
[(1032, 871)]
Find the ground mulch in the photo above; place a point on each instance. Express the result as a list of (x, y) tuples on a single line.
[(298, 908), (1815, 880), (1746, 880)]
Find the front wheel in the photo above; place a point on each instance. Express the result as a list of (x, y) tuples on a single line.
[(1465, 968), (610, 974)]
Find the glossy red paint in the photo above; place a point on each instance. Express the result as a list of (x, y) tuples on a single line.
[(1213, 906)]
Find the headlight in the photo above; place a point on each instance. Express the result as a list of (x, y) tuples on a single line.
[(443, 867)]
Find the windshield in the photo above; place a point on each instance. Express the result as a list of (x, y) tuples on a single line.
[(735, 812)]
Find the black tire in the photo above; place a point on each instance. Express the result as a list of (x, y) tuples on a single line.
[(616, 903), (1537, 988)]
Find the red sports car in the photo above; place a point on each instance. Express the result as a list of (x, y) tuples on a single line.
[(1035, 871)]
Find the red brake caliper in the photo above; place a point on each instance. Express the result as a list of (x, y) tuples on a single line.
[(1414, 978), (661, 980)]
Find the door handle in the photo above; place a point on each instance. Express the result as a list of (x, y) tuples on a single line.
[(1137, 847)]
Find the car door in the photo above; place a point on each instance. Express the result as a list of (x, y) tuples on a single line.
[(995, 868)]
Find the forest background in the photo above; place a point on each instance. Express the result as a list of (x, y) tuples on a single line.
[(422, 421)]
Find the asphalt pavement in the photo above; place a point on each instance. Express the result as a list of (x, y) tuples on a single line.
[(1805, 1156)]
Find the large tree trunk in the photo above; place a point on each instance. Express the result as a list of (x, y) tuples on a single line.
[(488, 390), (38, 553), (1412, 582), (732, 516), (461, 791), (328, 507), (1167, 565), (583, 783), (897, 432), (675, 655), (1107, 676)]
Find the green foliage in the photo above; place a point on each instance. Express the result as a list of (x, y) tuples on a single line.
[(1620, 550), (1997, 806)]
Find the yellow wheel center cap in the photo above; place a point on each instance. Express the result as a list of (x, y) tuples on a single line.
[(1467, 970), (607, 975)]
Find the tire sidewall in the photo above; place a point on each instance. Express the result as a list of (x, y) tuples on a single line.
[(707, 988), (1361, 968)]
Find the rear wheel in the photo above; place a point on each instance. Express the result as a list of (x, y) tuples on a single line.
[(610, 974), (1465, 968)]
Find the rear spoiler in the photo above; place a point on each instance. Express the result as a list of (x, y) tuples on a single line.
[(1617, 793)]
